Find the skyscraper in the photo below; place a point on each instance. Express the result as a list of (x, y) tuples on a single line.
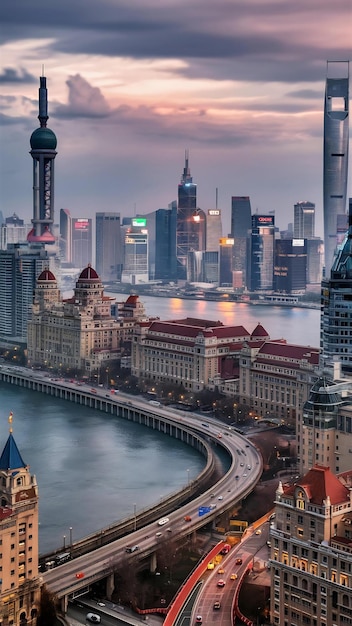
[(336, 138), (108, 246), (191, 222), (241, 225), (65, 240), (304, 220), (81, 241), (336, 311), (135, 265), (214, 230), (165, 243), (225, 262), (261, 257)]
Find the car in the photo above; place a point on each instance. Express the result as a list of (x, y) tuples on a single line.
[(242, 464), (220, 498), (247, 445), (258, 532), (212, 507), (101, 603), (217, 605), (221, 570), (163, 520), (93, 617), (221, 583), (187, 518), (131, 549), (210, 565), (169, 530), (238, 561), (237, 477), (233, 576), (249, 467), (158, 534), (226, 549), (199, 619), (79, 575), (244, 475)]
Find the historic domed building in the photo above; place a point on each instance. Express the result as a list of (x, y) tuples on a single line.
[(77, 334)]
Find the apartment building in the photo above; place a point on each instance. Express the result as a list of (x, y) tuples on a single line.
[(311, 551)]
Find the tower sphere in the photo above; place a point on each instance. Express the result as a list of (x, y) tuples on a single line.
[(43, 139)]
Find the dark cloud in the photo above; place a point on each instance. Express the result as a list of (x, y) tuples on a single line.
[(246, 39), (11, 75)]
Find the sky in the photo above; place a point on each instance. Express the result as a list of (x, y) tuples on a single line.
[(132, 84)]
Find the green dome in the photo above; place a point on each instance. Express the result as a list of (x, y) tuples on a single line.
[(43, 139)]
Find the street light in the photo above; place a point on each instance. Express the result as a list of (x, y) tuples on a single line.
[(70, 535), (64, 542)]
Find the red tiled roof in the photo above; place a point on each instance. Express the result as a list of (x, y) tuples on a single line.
[(259, 331), (131, 300), (320, 483), (290, 351), (46, 275)]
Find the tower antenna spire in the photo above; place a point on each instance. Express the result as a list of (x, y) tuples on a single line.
[(43, 102)]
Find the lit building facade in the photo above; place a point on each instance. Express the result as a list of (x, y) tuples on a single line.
[(261, 256), (225, 261), (311, 551), (20, 583), (213, 230), (135, 264), (290, 266), (108, 246), (241, 226), (82, 241), (336, 144)]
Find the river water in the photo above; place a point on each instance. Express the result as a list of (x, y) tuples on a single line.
[(92, 468)]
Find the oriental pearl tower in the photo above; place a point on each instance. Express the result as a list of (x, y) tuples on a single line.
[(43, 152)]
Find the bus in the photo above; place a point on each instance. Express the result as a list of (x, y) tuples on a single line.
[(62, 558)]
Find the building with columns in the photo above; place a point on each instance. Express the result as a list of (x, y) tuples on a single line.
[(20, 583)]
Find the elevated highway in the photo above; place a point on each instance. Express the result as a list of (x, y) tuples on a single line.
[(244, 472)]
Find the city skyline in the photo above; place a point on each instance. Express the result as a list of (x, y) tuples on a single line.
[(130, 88)]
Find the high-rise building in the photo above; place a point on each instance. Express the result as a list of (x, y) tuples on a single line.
[(290, 267), (304, 220), (108, 246), (311, 539), (82, 241), (65, 239), (261, 257), (43, 152), (20, 583), (135, 264), (13, 230), (191, 222), (336, 139), (213, 230), (20, 265), (241, 225), (165, 243), (336, 311)]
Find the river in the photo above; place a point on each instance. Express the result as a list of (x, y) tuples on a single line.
[(92, 468)]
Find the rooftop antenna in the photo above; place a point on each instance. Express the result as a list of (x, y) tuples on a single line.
[(216, 198)]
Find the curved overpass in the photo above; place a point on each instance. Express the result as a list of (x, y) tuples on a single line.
[(244, 472)]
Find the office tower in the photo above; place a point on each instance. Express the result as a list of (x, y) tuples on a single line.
[(20, 584), (108, 246), (241, 224), (135, 264), (310, 564), (336, 311), (165, 243), (43, 152), (303, 220), (315, 256), (336, 138), (20, 265), (261, 257), (81, 241), (191, 222), (213, 230), (203, 267), (290, 265), (225, 262), (241, 214), (65, 237)]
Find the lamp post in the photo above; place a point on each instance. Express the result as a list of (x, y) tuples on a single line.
[(64, 542), (71, 535)]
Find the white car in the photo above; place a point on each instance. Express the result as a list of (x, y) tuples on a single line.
[(163, 520), (93, 617)]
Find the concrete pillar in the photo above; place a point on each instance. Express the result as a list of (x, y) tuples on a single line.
[(153, 563), (110, 586)]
